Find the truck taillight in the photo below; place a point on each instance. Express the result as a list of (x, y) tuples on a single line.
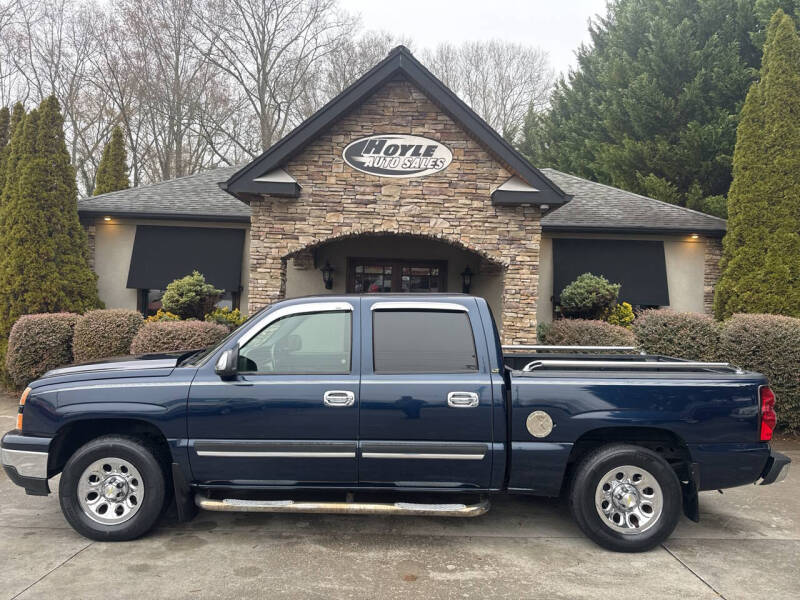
[(768, 417), (22, 400)]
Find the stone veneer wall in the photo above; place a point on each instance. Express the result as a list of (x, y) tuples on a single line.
[(711, 272), (453, 205), (91, 236)]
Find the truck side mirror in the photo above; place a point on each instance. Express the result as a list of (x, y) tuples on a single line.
[(227, 363)]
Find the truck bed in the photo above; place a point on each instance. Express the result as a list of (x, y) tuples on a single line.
[(591, 396)]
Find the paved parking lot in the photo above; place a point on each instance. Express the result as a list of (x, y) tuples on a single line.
[(746, 546)]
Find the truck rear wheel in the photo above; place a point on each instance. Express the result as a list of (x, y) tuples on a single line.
[(626, 498), (112, 489)]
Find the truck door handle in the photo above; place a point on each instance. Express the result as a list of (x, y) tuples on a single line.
[(463, 399), (338, 398)]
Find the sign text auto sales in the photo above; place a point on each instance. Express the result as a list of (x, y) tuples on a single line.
[(397, 155)]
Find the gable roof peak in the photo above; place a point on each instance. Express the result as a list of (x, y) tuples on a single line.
[(244, 186), (399, 49)]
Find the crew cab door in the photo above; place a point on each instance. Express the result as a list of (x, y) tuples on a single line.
[(426, 396), (290, 416)]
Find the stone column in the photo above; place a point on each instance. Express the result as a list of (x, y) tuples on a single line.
[(711, 272), (91, 237), (267, 265)]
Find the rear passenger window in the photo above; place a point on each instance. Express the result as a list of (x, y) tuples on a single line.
[(415, 341)]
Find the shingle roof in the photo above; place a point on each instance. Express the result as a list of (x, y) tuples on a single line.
[(194, 197), (593, 207), (602, 208)]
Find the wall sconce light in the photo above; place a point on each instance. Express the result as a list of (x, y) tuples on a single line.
[(466, 280), (695, 236), (106, 218), (327, 275)]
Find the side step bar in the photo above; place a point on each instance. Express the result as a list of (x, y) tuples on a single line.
[(343, 508)]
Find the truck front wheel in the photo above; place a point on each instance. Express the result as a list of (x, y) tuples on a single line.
[(112, 489), (625, 498)]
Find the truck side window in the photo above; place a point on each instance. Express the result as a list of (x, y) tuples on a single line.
[(311, 343), (419, 341)]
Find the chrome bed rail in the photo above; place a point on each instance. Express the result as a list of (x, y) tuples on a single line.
[(678, 365), (548, 348)]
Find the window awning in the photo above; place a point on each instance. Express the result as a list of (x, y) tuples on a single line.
[(163, 254), (639, 266)]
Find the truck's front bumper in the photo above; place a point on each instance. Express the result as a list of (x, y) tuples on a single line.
[(24, 459), (776, 469)]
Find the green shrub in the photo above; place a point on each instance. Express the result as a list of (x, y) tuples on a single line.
[(172, 336), (769, 344), (162, 315), (692, 336), (585, 332), (190, 297), (105, 333), (588, 297), (227, 317), (622, 315), (39, 343)]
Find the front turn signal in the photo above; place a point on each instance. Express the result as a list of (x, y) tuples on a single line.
[(22, 401)]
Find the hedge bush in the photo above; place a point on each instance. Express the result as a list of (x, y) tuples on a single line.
[(769, 344), (105, 333), (622, 315), (38, 343), (692, 336), (170, 336), (585, 332), (588, 297), (227, 317), (190, 297)]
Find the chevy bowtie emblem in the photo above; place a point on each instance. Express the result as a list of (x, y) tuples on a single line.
[(397, 155)]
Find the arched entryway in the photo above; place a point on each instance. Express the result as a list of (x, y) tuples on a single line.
[(391, 262)]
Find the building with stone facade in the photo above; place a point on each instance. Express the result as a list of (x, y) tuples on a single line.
[(397, 185)]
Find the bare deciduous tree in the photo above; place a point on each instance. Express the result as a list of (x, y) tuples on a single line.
[(501, 81), (270, 49), (175, 84), (198, 83), (53, 46)]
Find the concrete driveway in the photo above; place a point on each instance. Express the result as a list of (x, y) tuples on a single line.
[(747, 545)]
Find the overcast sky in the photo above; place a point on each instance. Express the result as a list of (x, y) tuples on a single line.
[(558, 27)]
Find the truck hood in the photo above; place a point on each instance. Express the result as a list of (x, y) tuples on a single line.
[(143, 365)]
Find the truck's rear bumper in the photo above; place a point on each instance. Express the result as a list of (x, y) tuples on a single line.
[(776, 469), (24, 459)]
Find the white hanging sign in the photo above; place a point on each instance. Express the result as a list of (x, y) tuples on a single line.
[(397, 155)]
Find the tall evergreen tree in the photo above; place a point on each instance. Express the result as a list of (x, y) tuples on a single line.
[(761, 258), (652, 104), (112, 173), (5, 123), (44, 264)]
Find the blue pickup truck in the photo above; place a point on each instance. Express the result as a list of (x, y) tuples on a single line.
[(400, 404)]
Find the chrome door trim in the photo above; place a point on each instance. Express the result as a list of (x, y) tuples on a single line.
[(424, 450), (398, 305), (338, 398), (295, 309), (463, 399), (274, 449), (422, 455), (259, 454)]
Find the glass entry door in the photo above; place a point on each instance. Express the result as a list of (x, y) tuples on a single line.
[(370, 276)]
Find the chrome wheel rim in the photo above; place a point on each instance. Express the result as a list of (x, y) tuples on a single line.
[(629, 500), (110, 491)]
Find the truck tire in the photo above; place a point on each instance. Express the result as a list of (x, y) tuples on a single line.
[(112, 488), (625, 498)]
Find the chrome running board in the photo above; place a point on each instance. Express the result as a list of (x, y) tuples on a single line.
[(343, 508)]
